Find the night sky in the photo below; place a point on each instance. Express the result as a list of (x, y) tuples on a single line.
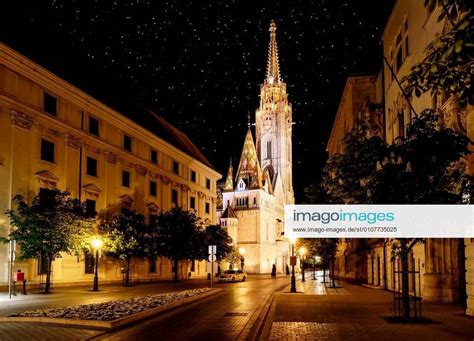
[(199, 64)]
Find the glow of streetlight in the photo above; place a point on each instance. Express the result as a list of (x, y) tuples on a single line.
[(292, 239), (302, 251), (242, 251), (96, 243), (318, 259)]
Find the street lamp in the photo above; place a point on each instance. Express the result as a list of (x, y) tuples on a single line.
[(96, 245), (302, 252), (242, 257), (293, 263)]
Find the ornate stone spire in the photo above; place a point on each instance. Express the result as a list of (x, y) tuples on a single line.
[(273, 68), (249, 168), (229, 182)]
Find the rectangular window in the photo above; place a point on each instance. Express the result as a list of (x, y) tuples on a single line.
[(193, 176), (93, 126), (91, 166), (50, 104), (47, 150), (42, 264), (127, 143), (174, 197), (151, 265), (153, 188), (90, 208), (176, 167), (399, 60), (208, 183), (88, 262), (154, 156), (208, 208), (269, 149), (126, 179), (192, 203)]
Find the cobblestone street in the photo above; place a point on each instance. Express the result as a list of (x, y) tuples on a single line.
[(354, 313)]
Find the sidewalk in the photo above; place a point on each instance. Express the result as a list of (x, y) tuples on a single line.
[(69, 296), (353, 312)]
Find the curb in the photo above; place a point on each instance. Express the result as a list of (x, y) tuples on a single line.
[(258, 322), (110, 325)]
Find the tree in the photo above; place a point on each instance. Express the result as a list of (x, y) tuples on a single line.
[(344, 175), (216, 235), (125, 237), (180, 237), (423, 167), (53, 223), (233, 257), (448, 66)]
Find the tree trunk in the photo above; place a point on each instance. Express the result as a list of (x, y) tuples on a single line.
[(324, 274), (175, 264), (405, 280), (127, 274), (333, 284), (47, 287)]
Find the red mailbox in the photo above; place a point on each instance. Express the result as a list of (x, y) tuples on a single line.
[(19, 276)]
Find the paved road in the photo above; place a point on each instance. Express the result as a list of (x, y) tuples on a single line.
[(225, 316)]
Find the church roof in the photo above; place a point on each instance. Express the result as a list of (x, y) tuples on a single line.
[(229, 213), (229, 182), (249, 167)]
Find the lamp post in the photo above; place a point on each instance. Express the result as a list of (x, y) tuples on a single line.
[(293, 263), (302, 252), (242, 257), (96, 245), (317, 260)]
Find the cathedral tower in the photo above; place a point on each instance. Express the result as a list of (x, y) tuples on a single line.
[(274, 124)]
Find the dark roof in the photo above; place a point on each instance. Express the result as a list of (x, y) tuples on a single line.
[(229, 213), (166, 131)]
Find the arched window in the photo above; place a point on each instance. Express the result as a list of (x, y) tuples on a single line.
[(269, 149)]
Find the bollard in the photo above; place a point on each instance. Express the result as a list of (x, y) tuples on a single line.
[(24, 287)]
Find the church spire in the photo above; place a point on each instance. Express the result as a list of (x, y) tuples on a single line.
[(229, 182), (273, 67), (249, 168)]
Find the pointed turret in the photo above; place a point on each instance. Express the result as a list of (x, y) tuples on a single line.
[(249, 168), (229, 182), (273, 67)]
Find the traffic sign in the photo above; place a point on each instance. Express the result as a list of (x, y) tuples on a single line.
[(212, 249), (212, 258)]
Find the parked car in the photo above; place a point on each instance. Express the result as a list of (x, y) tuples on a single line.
[(232, 276)]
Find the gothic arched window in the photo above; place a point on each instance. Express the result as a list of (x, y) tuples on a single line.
[(269, 149)]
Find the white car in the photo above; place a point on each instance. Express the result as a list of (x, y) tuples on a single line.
[(232, 276)]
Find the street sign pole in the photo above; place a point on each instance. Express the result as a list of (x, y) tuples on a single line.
[(212, 258)]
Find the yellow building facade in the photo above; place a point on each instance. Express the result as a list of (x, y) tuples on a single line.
[(446, 265), (53, 135)]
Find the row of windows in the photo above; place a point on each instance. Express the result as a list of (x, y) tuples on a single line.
[(91, 204), (47, 154), (50, 103), (401, 49)]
